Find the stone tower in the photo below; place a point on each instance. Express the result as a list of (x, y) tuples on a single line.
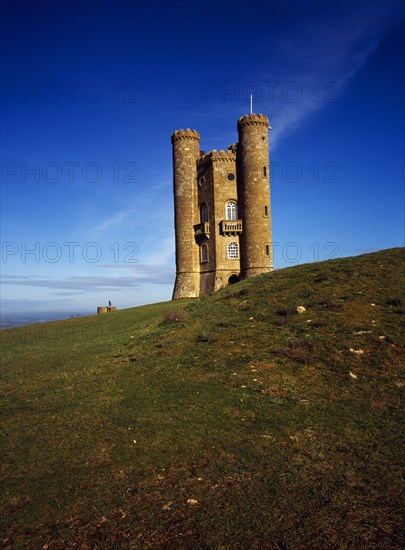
[(222, 209), (254, 194), (186, 150)]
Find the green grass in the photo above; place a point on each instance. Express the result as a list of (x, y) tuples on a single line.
[(285, 427)]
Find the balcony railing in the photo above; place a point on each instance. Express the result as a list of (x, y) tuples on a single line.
[(202, 230), (231, 227)]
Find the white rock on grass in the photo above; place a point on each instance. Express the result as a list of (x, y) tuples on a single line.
[(357, 351), (301, 309)]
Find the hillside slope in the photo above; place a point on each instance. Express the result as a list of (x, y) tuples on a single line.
[(228, 422)]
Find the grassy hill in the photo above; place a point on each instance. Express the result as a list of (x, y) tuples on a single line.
[(228, 422)]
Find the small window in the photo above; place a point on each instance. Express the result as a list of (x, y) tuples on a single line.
[(203, 213), (231, 211), (204, 253), (231, 177), (267, 250), (266, 210), (265, 171), (233, 251)]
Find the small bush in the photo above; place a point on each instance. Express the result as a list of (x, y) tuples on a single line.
[(285, 311), (298, 350), (298, 329), (394, 302), (206, 336), (174, 316), (330, 304), (318, 324), (346, 271), (243, 292), (305, 293), (320, 278), (282, 321)]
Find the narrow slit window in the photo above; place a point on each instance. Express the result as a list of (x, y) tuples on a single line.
[(204, 253), (203, 213), (267, 250), (265, 171), (266, 210)]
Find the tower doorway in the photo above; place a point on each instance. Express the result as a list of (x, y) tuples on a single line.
[(233, 279)]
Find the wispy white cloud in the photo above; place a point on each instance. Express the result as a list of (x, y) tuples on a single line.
[(150, 208), (112, 221), (139, 274)]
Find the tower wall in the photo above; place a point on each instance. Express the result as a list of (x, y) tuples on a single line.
[(254, 194), (186, 149), (219, 187)]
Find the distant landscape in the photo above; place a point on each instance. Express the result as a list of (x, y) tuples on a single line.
[(266, 415), (17, 320)]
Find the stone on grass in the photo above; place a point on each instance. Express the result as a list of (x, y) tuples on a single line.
[(357, 351)]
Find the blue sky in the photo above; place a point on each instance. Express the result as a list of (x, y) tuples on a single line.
[(91, 92)]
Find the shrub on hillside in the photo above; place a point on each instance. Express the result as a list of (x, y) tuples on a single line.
[(305, 293), (206, 335), (394, 302), (320, 278), (300, 350), (285, 311), (174, 316)]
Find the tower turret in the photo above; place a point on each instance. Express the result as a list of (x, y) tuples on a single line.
[(186, 150), (254, 194)]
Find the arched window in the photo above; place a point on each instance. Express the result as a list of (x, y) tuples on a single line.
[(233, 251), (204, 253), (231, 210), (203, 213)]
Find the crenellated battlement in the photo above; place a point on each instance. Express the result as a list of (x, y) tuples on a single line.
[(185, 134), (253, 119), (217, 156)]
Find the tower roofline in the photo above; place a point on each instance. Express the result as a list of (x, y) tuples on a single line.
[(214, 156), (248, 120), (185, 134)]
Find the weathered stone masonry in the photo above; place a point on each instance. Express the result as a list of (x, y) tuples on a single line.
[(222, 209)]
